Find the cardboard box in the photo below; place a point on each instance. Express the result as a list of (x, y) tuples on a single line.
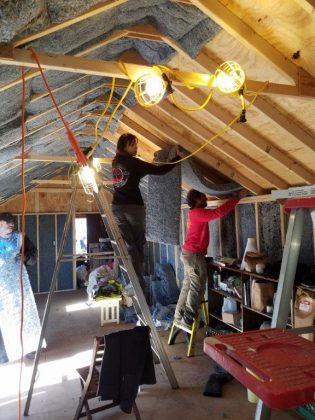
[(231, 317), (304, 311)]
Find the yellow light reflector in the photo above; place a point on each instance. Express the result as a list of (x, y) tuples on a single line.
[(150, 89), (230, 77)]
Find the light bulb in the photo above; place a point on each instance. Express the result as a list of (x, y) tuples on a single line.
[(97, 164), (87, 179), (229, 77), (150, 89)]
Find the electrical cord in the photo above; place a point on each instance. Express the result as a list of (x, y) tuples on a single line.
[(23, 236)]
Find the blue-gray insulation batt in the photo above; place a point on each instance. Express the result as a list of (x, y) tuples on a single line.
[(164, 203), (192, 176)]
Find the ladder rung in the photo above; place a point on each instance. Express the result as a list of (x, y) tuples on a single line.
[(123, 268)]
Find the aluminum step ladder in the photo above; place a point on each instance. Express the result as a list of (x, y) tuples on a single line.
[(125, 263), (142, 309)]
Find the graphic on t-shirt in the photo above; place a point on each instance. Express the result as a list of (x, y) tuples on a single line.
[(120, 176)]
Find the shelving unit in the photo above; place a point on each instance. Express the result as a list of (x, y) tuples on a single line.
[(250, 317)]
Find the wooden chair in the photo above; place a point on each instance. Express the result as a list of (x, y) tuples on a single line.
[(89, 378)]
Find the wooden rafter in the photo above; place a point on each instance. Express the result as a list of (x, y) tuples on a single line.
[(138, 129), (251, 136), (307, 5), (69, 101), (148, 120), (59, 182), (57, 158), (38, 96), (93, 11), (246, 35), (34, 72), (155, 142), (74, 64), (206, 64), (200, 132), (147, 32)]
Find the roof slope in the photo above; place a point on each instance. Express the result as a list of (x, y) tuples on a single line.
[(273, 41)]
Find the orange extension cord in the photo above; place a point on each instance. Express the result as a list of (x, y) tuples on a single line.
[(81, 158), (23, 235)]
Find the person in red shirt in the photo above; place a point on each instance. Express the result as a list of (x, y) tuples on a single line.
[(193, 251)]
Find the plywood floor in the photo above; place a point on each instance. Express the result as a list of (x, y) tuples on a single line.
[(70, 332)]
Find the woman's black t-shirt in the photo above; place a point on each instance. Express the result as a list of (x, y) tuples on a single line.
[(127, 173)]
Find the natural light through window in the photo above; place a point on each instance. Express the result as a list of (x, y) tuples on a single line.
[(50, 373), (80, 235)]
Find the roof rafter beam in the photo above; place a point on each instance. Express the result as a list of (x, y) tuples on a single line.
[(148, 120), (92, 66), (60, 182), (206, 64), (93, 11), (149, 33), (139, 130), (235, 26), (221, 145), (34, 72), (250, 135), (58, 158), (307, 5)]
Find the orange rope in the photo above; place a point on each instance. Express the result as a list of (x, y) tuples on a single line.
[(81, 158), (23, 235)]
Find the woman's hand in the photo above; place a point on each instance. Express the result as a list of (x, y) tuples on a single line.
[(243, 193)]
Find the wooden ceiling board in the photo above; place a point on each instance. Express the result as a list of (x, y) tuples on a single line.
[(284, 24), (224, 47), (197, 142)]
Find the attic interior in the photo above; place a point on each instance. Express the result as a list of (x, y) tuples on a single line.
[(258, 137)]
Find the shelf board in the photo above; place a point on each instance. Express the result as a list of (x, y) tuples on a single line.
[(219, 318), (257, 312), (262, 313), (226, 294), (243, 272)]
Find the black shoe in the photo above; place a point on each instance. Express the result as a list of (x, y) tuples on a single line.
[(225, 376), (188, 318), (213, 387)]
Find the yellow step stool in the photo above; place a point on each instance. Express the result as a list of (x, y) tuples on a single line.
[(190, 333)]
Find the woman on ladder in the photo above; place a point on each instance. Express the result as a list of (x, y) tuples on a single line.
[(128, 207)]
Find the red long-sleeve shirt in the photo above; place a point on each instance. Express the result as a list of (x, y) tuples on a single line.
[(197, 238)]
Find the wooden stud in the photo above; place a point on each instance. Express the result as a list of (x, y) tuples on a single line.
[(257, 224), (283, 225), (237, 231), (220, 237)]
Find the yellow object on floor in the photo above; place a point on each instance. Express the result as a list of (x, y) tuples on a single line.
[(190, 332)]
